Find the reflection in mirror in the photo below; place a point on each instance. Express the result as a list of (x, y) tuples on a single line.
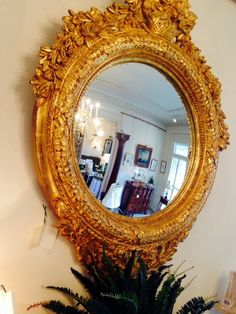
[(132, 139)]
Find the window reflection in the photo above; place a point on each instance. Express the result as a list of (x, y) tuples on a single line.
[(178, 170)]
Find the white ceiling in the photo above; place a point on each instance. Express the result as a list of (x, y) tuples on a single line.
[(141, 89)]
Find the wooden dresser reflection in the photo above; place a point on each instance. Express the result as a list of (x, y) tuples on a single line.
[(136, 197)]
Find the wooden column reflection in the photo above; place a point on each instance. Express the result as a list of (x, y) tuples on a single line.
[(122, 139)]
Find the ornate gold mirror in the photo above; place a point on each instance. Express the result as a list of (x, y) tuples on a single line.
[(93, 60)]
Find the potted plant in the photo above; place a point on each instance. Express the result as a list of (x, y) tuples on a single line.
[(132, 290)]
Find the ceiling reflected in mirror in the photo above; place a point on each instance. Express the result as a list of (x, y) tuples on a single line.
[(132, 139)]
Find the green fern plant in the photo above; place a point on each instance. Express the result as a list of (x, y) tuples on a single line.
[(131, 290)]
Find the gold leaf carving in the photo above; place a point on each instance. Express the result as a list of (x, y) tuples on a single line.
[(156, 32)]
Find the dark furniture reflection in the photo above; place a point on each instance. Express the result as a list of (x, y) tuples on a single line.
[(135, 198), (163, 201), (96, 160), (122, 139)]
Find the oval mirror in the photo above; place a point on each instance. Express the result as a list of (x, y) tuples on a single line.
[(118, 58), (146, 173)]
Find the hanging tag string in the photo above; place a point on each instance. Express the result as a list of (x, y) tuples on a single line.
[(45, 214), (3, 288)]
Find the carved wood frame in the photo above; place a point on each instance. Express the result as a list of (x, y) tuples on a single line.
[(155, 32)]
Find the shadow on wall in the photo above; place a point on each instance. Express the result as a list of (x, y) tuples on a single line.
[(25, 92), (25, 106)]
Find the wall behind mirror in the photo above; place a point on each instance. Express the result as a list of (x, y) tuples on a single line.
[(137, 100), (25, 32)]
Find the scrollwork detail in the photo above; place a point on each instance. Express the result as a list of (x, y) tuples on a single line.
[(156, 32)]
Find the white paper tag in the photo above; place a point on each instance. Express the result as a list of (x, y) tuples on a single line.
[(48, 237)]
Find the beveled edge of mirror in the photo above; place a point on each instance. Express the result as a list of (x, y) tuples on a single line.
[(159, 34)]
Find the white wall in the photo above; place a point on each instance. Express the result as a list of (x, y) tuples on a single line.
[(210, 245), (93, 145), (24, 26), (145, 134)]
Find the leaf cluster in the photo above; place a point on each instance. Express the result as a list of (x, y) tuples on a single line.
[(131, 290)]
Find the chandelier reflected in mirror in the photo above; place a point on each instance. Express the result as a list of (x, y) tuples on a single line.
[(87, 119)]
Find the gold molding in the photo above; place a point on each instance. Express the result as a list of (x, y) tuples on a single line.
[(155, 32)]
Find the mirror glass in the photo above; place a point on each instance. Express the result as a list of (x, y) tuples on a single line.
[(132, 139)]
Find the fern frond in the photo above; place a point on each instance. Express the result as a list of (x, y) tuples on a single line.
[(116, 279), (59, 308), (73, 296), (141, 288), (130, 265), (154, 281), (162, 297), (86, 282), (64, 290), (174, 292), (32, 306), (197, 306)]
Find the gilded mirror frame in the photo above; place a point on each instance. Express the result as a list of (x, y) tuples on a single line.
[(153, 32)]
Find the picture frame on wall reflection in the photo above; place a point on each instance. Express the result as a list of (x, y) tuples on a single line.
[(163, 166), (128, 159), (153, 165), (107, 145), (143, 156)]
